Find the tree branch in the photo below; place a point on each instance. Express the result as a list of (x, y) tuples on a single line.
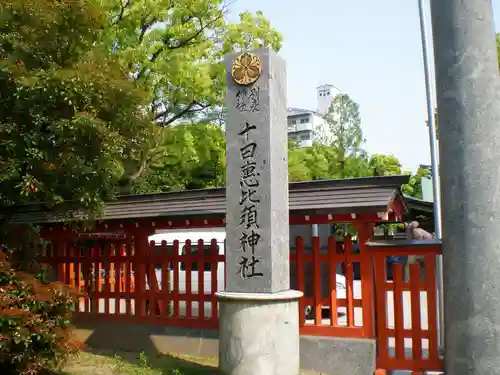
[(188, 109), (134, 176), (167, 44), (144, 28), (129, 178), (123, 7)]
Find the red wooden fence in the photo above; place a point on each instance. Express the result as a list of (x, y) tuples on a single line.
[(406, 307), (174, 284), (123, 283), (335, 300), (162, 284)]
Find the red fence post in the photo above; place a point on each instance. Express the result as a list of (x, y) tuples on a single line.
[(200, 260), (300, 279), (151, 278), (96, 255), (118, 285), (432, 306), (187, 263), (397, 276), (176, 296), (316, 281), (365, 231), (332, 264), (106, 265), (416, 327), (215, 280), (141, 246), (381, 308), (349, 279), (165, 279), (87, 268), (129, 277)]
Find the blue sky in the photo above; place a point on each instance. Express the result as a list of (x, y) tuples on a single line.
[(369, 49)]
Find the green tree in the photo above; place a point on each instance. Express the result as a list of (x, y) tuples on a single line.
[(384, 165), (70, 117), (344, 135), (175, 48), (310, 163), (297, 166), (174, 51), (195, 158), (84, 82), (319, 162), (355, 166), (414, 186)]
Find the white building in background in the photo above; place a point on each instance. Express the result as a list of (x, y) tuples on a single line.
[(306, 126), (325, 95), (426, 182), (303, 125)]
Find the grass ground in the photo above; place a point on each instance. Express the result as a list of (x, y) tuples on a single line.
[(109, 363)]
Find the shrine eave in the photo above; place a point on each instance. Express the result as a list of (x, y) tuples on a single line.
[(340, 196)]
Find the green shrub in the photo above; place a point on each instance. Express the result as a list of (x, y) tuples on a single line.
[(35, 329)]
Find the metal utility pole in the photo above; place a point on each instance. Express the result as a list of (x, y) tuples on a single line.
[(468, 97), (431, 123)]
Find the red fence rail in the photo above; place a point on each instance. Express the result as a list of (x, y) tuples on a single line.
[(333, 301), (161, 284), (406, 307), (175, 284)]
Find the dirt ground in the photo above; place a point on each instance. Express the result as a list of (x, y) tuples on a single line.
[(124, 363)]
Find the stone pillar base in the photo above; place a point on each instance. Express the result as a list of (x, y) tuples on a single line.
[(259, 333)]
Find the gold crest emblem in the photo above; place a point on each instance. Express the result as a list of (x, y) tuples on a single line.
[(246, 69)]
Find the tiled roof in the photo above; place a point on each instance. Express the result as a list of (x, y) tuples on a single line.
[(327, 196)]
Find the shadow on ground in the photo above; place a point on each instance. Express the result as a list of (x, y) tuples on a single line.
[(109, 362), (149, 338), (157, 344)]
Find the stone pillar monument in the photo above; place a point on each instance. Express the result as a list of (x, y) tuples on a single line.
[(259, 321), (468, 94)]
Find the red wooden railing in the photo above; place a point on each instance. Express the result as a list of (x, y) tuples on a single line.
[(161, 283), (406, 307), (335, 300), (175, 284), (122, 283)]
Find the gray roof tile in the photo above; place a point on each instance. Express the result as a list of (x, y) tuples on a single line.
[(328, 196)]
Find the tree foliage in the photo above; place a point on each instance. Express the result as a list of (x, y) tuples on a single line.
[(85, 82), (343, 134), (35, 331), (414, 186), (174, 49), (70, 117), (195, 158), (384, 165), (320, 162)]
